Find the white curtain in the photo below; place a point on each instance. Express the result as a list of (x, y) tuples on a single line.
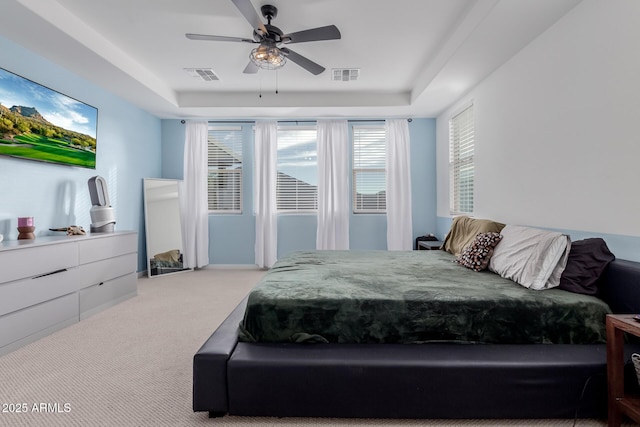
[(399, 222), (333, 187), (264, 186), (194, 210)]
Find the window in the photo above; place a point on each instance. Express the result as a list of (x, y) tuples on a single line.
[(461, 169), (225, 169), (369, 176), (297, 186)]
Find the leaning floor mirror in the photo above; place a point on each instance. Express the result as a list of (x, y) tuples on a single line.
[(162, 227)]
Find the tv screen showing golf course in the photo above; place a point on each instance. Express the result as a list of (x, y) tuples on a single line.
[(38, 123)]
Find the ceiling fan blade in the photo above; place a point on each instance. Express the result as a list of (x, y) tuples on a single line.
[(249, 12), (251, 68), (330, 32), (207, 37), (305, 63)]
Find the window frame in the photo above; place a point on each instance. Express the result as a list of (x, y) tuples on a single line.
[(236, 171), (360, 170), (296, 210), (462, 161)]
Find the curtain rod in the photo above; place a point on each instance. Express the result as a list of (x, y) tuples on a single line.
[(289, 121)]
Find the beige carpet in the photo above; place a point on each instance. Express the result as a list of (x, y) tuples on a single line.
[(130, 365)]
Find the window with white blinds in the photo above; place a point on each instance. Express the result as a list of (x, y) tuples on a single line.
[(224, 178), (369, 175), (461, 167), (297, 185)]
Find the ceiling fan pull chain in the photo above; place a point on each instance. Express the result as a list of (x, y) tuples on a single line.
[(276, 82)]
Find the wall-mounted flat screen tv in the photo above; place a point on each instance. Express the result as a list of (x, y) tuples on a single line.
[(38, 123)]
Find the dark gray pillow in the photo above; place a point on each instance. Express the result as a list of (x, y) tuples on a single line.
[(587, 261)]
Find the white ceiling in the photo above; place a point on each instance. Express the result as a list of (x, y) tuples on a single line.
[(415, 57)]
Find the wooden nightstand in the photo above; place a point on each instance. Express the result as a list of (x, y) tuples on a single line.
[(619, 404)]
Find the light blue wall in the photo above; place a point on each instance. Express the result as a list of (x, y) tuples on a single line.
[(58, 196), (423, 175), (172, 149), (370, 231), (443, 224), (232, 237)]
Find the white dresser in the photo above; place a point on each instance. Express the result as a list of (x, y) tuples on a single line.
[(51, 282)]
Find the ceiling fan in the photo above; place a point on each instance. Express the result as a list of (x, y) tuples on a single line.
[(271, 54)]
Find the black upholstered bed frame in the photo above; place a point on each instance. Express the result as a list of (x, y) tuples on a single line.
[(409, 381)]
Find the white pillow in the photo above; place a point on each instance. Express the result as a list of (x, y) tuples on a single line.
[(531, 257)]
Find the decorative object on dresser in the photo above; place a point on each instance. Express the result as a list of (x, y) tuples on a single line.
[(102, 216), (48, 284), (72, 230), (26, 233), (26, 228)]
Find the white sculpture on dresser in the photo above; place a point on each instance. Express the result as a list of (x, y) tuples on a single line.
[(102, 214)]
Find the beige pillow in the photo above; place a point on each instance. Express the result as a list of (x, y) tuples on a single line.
[(464, 230), (172, 256)]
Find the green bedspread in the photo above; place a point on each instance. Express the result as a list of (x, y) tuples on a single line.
[(410, 297)]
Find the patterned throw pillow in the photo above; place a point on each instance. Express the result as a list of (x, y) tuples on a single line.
[(476, 256)]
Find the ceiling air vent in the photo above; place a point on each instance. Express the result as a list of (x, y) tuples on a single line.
[(345, 74), (205, 74)]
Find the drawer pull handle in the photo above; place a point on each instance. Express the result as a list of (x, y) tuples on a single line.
[(49, 274)]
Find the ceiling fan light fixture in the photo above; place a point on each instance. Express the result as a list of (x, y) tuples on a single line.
[(268, 57)]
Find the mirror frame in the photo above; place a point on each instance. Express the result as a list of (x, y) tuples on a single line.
[(148, 231)]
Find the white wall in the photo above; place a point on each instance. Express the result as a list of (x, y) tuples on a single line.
[(557, 127)]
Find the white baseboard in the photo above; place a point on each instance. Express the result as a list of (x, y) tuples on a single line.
[(232, 267)]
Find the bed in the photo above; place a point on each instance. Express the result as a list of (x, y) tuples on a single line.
[(271, 357)]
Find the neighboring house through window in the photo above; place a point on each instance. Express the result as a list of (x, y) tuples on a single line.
[(297, 185), (225, 169), (461, 164)]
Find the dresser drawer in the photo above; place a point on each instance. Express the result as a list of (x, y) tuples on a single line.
[(107, 247), (30, 261), (101, 271), (26, 292), (48, 316), (98, 297)]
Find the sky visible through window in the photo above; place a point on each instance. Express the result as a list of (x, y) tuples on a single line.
[(55, 107), (369, 154), (298, 155), (298, 158)]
